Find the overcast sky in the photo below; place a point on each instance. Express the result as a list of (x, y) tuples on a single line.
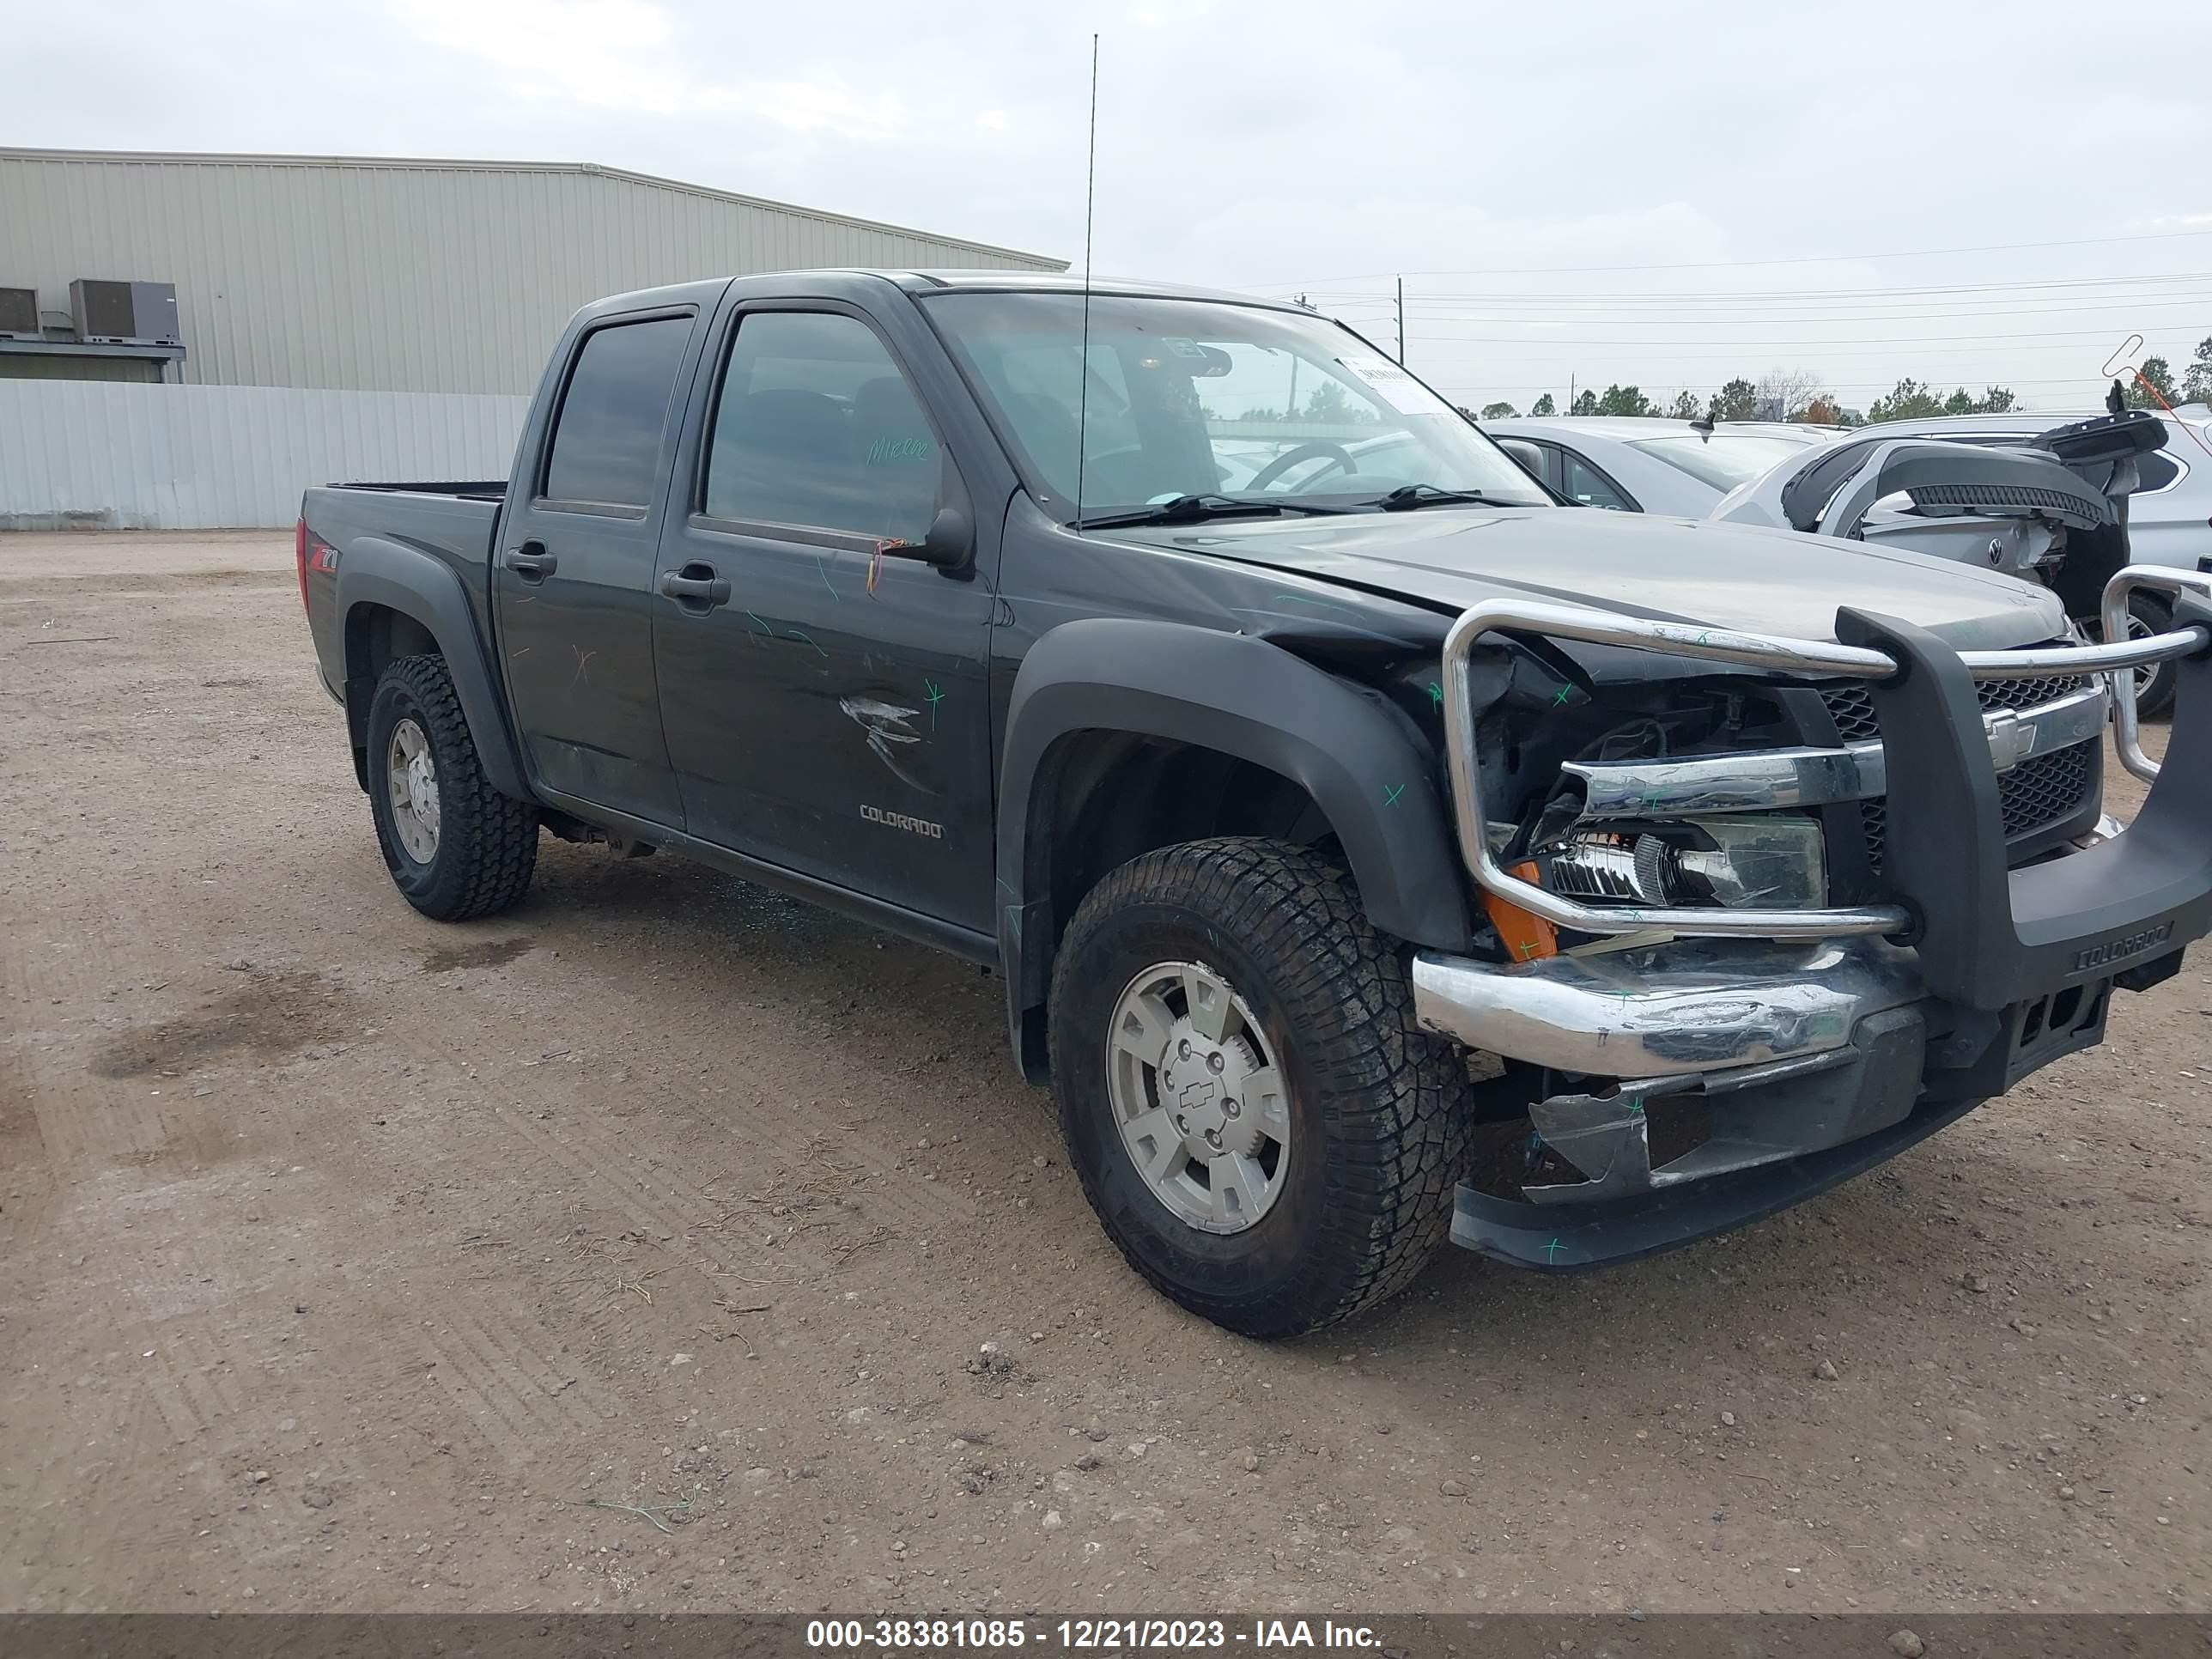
[(1779, 159)]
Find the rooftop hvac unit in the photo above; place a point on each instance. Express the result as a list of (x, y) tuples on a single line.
[(19, 313), (127, 313)]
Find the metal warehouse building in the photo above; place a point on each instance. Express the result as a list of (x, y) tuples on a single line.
[(391, 316)]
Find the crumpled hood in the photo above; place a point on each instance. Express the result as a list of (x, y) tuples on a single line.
[(1736, 576)]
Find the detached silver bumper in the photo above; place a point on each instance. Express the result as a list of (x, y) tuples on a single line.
[(1692, 1006)]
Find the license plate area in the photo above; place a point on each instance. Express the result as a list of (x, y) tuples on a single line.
[(2046, 1028)]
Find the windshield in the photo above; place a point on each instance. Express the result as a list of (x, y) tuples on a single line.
[(1727, 458), (1196, 397)]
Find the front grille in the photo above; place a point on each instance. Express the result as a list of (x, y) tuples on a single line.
[(2029, 693), (1851, 706), (2040, 791), (2045, 789)]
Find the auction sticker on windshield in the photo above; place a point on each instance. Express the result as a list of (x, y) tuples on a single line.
[(1394, 386)]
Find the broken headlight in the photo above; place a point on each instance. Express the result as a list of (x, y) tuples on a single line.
[(1770, 861)]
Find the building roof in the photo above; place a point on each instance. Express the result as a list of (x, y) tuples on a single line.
[(580, 169)]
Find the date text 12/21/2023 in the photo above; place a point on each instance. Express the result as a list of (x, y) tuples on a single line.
[(1085, 1635)]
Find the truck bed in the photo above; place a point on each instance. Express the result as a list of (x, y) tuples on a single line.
[(456, 523), (492, 489)]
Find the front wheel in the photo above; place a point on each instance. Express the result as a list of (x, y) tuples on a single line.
[(455, 846), (1264, 1130)]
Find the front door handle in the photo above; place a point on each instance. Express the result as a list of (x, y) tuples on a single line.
[(530, 562), (695, 587)]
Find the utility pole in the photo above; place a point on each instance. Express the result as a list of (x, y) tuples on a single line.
[(1571, 394), (1401, 322)]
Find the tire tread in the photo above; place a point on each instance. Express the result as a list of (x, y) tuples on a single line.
[(1395, 1094), (492, 838)]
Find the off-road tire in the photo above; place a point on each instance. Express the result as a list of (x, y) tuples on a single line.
[(2155, 613), (1379, 1112), (486, 841)]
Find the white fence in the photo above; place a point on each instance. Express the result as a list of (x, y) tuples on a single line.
[(99, 455)]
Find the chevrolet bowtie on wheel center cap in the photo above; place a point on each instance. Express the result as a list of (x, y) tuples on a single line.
[(414, 786), (1197, 1097)]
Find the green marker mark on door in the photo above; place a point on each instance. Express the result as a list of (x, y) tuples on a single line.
[(1391, 792), (935, 698), (1435, 693)]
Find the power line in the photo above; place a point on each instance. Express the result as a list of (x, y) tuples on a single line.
[(1655, 318), (1309, 283), (1668, 389), (1942, 340), (1794, 293)]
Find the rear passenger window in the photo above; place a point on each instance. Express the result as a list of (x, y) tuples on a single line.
[(1585, 485), (606, 439), (816, 427), (2155, 471)]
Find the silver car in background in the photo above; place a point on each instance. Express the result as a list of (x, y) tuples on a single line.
[(2068, 530), (1637, 465)]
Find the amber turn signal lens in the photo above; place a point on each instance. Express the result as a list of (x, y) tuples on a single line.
[(1527, 937)]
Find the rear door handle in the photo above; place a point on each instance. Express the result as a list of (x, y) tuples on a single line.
[(696, 587), (530, 562)]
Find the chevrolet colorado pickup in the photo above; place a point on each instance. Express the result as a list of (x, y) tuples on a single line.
[(1375, 849)]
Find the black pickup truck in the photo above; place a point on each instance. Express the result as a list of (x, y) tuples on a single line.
[(1375, 849)]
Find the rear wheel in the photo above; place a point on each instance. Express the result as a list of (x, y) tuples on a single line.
[(2148, 614), (1264, 1130), (455, 846)]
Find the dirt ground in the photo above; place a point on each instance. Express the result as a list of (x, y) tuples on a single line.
[(635, 1250)]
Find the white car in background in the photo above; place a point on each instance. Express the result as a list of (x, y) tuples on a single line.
[(2169, 513), (1637, 465), (2062, 501)]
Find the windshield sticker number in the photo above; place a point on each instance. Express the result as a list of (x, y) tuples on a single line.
[(1396, 388)]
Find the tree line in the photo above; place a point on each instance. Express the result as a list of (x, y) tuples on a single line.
[(1797, 395)]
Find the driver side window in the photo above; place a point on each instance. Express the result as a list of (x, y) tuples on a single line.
[(817, 427)]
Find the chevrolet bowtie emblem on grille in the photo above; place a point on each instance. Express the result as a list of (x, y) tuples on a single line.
[(2012, 739)]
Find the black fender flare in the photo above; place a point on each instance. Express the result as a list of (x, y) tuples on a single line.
[(376, 571), (1362, 759)]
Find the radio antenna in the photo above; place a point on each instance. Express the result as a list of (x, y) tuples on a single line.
[(1083, 363)]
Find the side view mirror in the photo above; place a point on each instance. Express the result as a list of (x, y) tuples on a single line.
[(950, 543)]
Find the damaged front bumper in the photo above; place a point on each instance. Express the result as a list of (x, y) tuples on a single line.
[(1755, 1059), (1706, 1085)]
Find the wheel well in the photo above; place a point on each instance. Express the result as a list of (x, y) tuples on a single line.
[(376, 636), (1119, 796)]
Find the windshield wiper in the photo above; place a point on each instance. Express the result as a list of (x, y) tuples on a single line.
[(1183, 509), (1406, 497), (1196, 509)]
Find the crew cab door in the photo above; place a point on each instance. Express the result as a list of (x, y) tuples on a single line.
[(825, 701), (572, 576)]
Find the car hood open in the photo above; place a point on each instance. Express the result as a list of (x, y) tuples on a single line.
[(1757, 581)]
